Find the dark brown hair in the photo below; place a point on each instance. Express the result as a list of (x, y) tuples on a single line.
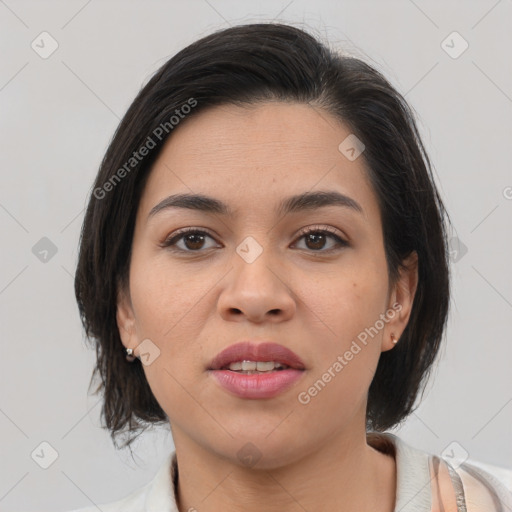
[(244, 65)]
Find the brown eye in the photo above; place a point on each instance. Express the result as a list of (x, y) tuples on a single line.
[(193, 240), (318, 240), (315, 240)]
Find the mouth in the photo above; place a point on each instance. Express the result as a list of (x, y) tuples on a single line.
[(248, 357), (254, 371), (255, 367)]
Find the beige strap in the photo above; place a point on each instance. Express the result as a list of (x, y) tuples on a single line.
[(456, 481), (459, 488)]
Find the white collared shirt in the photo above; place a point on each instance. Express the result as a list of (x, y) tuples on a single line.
[(478, 487)]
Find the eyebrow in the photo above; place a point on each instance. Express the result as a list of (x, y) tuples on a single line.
[(302, 202)]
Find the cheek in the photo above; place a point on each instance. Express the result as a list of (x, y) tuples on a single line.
[(345, 302), (167, 302), (346, 307), (346, 356)]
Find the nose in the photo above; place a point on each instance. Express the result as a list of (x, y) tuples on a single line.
[(257, 291)]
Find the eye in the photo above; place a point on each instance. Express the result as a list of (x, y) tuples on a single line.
[(192, 238), (317, 236)]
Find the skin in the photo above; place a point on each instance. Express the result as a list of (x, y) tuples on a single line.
[(192, 305)]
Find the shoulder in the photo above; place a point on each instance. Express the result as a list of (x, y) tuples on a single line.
[(481, 490), (490, 487), (437, 484)]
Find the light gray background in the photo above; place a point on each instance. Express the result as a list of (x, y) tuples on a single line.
[(57, 117)]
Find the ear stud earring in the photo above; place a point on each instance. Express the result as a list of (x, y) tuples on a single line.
[(129, 355), (394, 339)]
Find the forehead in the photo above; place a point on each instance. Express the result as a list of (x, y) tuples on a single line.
[(275, 130), (256, 155)]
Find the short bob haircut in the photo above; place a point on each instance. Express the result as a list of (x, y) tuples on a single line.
[(245, 65)]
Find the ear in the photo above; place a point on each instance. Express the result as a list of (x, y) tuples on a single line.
[(125, 318), (400, 301)]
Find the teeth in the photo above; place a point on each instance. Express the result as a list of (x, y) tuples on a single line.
[(255, 366), (248, 365), (264, 367)]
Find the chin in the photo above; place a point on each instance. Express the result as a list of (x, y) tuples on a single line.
[(262, 451)]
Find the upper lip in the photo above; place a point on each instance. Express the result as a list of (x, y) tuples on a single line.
[(249, 351)]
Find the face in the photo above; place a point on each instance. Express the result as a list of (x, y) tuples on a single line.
[(312, 278)]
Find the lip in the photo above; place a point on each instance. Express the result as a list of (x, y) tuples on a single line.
[(257, 386), (249, 351)]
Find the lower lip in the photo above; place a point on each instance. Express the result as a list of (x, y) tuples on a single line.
[(266, 385)]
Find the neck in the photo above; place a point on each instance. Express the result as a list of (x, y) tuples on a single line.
[(345, 473)]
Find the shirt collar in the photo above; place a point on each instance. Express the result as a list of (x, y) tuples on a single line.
[(411, 463), (161, 495)]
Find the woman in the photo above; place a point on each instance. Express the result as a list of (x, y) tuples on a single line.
[(263, 266)]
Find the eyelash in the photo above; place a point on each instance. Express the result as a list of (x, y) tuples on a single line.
[(171, 241)]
